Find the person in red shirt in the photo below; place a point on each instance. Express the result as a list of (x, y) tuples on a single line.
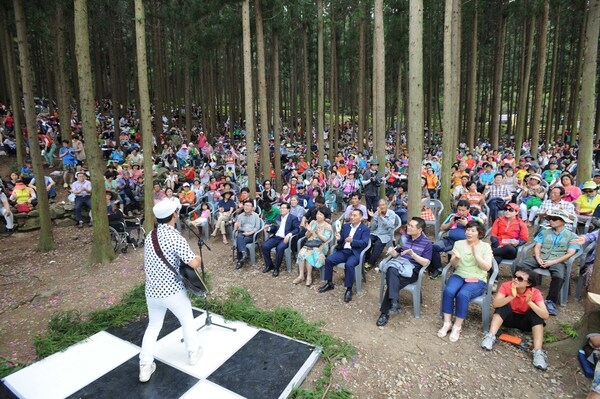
[(520, 305)]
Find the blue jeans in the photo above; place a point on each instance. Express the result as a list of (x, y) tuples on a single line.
[(80, 201), (457, 288)]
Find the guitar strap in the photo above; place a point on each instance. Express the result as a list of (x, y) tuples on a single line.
[(160, 253)]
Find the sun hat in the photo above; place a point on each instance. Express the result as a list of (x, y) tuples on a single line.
[(594, 298), (559, 213), (164, 208), (535, 176), (590, 185)]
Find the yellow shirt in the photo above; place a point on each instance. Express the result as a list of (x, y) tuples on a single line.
[(587, 205)]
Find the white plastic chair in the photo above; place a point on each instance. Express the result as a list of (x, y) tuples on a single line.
[(415, 289)]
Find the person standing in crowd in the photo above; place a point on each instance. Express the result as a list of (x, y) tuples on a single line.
[(82, 188), (371, 182), (165, 289)]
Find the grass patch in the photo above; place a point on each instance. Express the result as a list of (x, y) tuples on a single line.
[(68, 328), (7, 367)]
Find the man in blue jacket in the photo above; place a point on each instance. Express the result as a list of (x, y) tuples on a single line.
[(353, 238), (285, 227)]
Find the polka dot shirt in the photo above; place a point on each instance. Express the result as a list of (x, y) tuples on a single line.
[(161, 282)]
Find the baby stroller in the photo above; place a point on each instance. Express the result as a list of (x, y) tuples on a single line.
[(125, 233)]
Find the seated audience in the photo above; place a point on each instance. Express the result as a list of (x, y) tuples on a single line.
[(508, 233), (314, 251), (472, 259), (403, 269), (520, 305)]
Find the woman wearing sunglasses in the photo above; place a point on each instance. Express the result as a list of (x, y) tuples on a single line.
[(508, 233), (519, 305)]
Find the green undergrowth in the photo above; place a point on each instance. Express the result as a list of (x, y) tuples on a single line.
[(67, 328)]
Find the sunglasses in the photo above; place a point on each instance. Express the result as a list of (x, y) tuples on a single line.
[(554, 218), (520, 279), (509, 210), (588, 191)]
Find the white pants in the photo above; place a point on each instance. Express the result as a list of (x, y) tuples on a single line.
[(532, 212), (9, 219), (181, 307)]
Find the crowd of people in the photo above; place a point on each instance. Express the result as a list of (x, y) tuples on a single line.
[(498, 202)]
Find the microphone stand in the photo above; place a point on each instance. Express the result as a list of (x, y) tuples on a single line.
[(208, 321)]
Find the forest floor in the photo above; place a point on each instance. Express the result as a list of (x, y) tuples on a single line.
[(403, 359)]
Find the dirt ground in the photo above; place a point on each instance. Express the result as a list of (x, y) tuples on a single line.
[(403, 359)]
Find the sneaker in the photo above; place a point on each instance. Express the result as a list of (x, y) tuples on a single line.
[(488, 341), (80, 224), (194, 356), (551, 308), (65, 185), (540, 360), (146, 371), (368, 266)]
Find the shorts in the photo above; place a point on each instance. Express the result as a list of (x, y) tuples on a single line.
[(523, 322), (68, 167)]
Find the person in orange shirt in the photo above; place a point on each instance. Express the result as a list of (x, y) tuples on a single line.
[(302, 165), (470, 161), (187, 198), (458, 175), (342, 168), (432, 182)]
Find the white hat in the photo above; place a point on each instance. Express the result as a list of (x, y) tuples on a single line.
[(164, 208)]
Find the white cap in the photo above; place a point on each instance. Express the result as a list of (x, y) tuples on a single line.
[(164, 208)]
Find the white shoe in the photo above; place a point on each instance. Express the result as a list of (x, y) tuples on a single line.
[(194, 356), (146, 371)]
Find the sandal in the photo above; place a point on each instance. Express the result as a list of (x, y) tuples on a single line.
[(455, 334), (308, 282), (225, 241), (442, 332), (298, 279)]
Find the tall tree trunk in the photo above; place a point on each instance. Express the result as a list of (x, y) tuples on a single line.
[(549, 128), (400, 102), (188, 98), (63, 81), (248, 98), (261, 66), (144, 106), (521, 131), (379, 88), (472, 83), (588, 91), (102, 251), (320, 84), (362, 72), (157, 77), (452, 40), (333, 85), (276, 110), (415, 113), (536, 118), (306, 80), (46, 241), (13, 81)]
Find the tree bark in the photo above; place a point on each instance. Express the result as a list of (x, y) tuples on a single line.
[(521, 131), (452, 40), (472, 83), (276, 110), (362, 72), (415, 107), (540, 77), (588, 91), (15, 95), (248, 96), (306, 85), (320, 84), (102, 251), (379, 88), (261, 66), (46, 241), (63, 81), (549, 128)]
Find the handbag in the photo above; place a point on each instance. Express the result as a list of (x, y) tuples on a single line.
[(316, 243), (189, 276)]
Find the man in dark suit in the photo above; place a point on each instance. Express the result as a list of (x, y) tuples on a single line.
[(287, 225), (353, 238)]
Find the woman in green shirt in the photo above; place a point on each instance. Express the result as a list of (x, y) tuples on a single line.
[(472, 259)]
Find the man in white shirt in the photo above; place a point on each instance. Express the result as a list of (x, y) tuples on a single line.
[(286, 226)]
